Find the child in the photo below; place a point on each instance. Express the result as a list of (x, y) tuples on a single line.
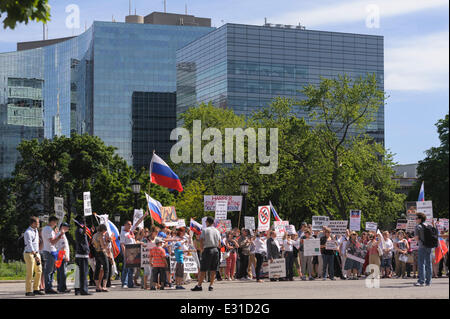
[(179, 268), (158, 263)]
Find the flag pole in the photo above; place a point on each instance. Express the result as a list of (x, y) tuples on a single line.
[(149, 182)]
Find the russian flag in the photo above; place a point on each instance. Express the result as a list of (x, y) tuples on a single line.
[(155, 208), (421, 193), (195, 227), (275, 215), (440, 250), (161, 174), (115, 239)]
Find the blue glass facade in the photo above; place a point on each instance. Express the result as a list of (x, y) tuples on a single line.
[(244, 67), (87, 83)]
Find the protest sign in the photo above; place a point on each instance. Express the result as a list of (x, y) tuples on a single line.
[(280, 228), (145, 254), (444, 223), (221, 209), (277, 268), (411, 207), (414, 244), (411, 222), (358, 259), (355, 220), (318, 222), (59, 209), (371, 226), (331, 245), (138, 213), (87, 204), (43, 218), (169, 216), (311, 247), (221, 226), (291, 230), (228, 224), (190, 265), (265, 269), (181, 223), (263, 218), (234, 203), (249, 222), (133, 255), (425, 207), (401, 224), (338, 227)]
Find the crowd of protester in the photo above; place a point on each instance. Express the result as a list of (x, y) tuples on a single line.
[(238, 254)]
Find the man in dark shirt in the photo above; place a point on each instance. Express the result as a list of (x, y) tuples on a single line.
[(327, 255), (81, 255), (424, 253)]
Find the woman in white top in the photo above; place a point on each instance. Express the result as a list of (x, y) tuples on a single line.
[(288, 246), (260, 251)]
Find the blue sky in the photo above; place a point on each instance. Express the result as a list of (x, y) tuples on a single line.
[(415, 34)]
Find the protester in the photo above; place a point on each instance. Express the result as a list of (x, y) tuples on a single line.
[(101, 258), (424, 252), (402, 251), (288, 246), (231, 245), (251, 258), (260, 251), (351, 265), (63, 245), (209, 243), (127, 238), (386, 258), (159, 263), (81, 257), (307, 266), (273, 248), (372, 251), (32, 259), (244, 246), (50, 253), (327, 255)]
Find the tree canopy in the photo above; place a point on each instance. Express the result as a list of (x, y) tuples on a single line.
[(24, 11)]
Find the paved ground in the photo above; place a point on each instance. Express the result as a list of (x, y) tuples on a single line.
[(347, 289)]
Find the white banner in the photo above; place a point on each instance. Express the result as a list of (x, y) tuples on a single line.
[(311, 247), (59, 209), (181, 223), (87, 203), (360, 260), (291, 230), (331, 245), (190, 265), (280, 228), (277, 268), (318, 222), (221, 209), (249, 222), (234, 203), (414, 245), (138, 213), (426, 207), (145, 254), (263, 218), (338, 227), (355, 220), (371, 226)]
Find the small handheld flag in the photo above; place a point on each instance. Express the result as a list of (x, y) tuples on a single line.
[(421, 193), (275, 215), (195, 227), (161, 174), (155, 208)]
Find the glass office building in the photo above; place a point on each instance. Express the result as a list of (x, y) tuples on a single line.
[(244, 67), (85, 84)]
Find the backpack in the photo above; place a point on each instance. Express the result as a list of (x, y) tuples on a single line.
[(430, 236)]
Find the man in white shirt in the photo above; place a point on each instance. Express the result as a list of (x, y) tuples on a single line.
[(49, 252), (32, 258), (61, 274), (127, 238)]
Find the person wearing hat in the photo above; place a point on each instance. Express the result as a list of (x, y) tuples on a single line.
[(63, 245), (158, 263)]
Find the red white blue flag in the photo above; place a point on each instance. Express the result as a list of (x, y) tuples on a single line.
[(421, 194), (275, 215), (154, 208), (161, 174), (195, 227)]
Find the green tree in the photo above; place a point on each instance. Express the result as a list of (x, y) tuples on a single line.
[(433, 170), (24, 11), (9, 230), (189, 203)]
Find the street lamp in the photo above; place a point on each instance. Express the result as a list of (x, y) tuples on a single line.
[(117, 218), (244, 191), (136, 188)]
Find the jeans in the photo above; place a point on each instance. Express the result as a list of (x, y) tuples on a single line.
[(61, 275), (424, 265), (259, 262), (49, 269), (127, 277), (83, 268), (328, 262), (289, 256)]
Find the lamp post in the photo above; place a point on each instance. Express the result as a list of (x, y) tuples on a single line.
[(117, 219), (244, 191), (136, 188)]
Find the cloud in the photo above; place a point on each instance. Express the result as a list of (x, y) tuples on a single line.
[(355, 11), (418, 63)]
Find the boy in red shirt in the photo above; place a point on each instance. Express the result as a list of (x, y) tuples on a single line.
[(158, 263)]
